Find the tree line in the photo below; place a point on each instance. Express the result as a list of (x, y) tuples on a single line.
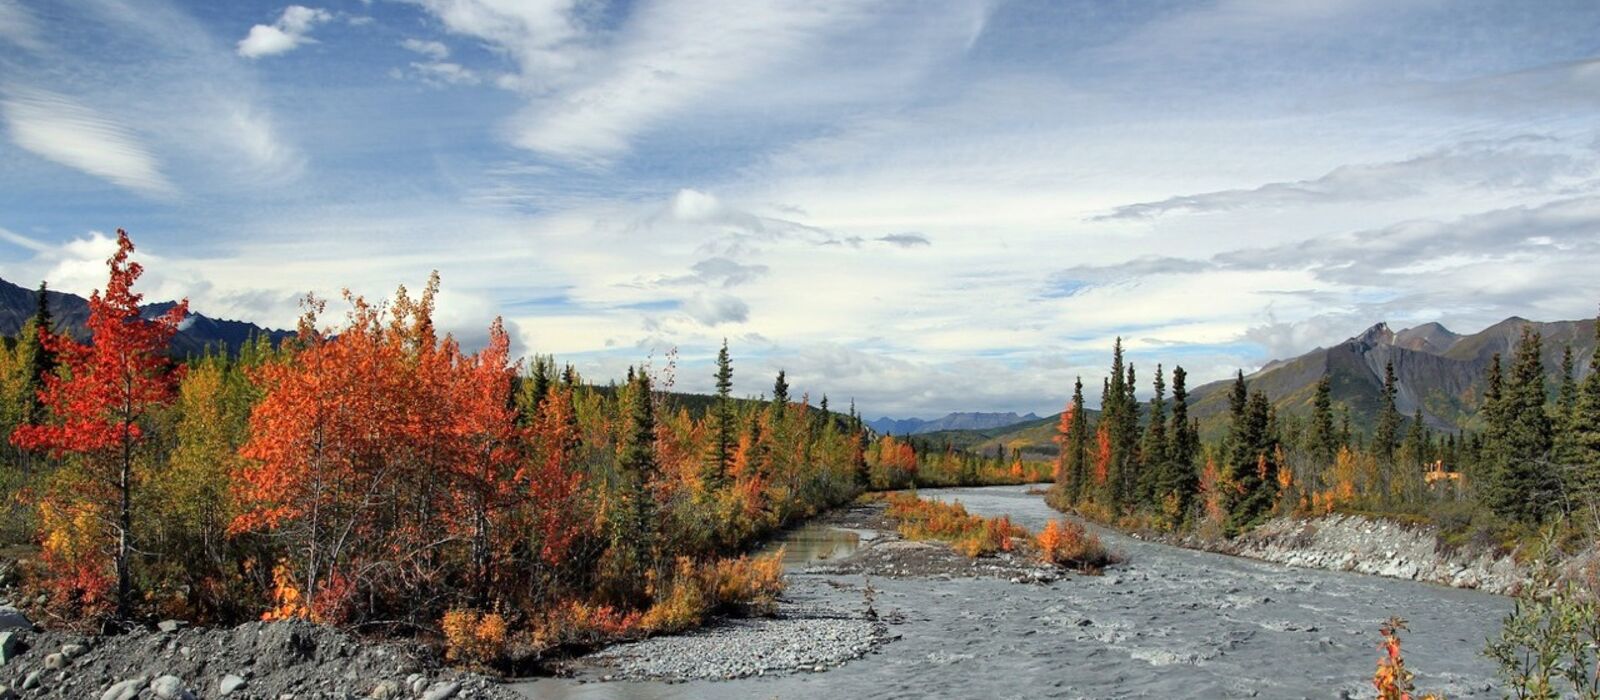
[(1532, 457)]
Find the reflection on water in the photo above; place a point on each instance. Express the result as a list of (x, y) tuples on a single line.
[(812, 543)]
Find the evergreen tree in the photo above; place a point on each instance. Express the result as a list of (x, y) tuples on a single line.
[(1075, 447), (1415, 447), (1180, 480), (1252, 467), (638, 466), (1387, 433), (1523, 485), (1583, 432), (1156, 451), (780, 390), (722, 445), (543, 368), (40, 358), (1321, 440)]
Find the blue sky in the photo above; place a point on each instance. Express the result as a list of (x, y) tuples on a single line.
[(927, 206)]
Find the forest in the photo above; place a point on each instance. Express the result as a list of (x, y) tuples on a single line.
[(369, 472), (1535, 463)]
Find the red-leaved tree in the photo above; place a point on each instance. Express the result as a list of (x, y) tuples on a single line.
[(97, 406)]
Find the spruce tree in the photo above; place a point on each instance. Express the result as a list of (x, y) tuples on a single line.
[(1415, 447), (1387, 433), (41, 360), (1524, 485), (1180, 479), (543, 367), (780, 390), (1583, 433), (1075, 448), (1253, 463), (638, 466), (1113, 398), (1321, 440), (1156, 450), (722, 446)]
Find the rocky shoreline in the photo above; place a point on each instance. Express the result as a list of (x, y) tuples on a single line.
[(1366, 545)]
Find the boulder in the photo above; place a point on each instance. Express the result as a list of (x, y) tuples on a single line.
[(443, 691), (125, 690), (13, 619), (170, 688), (385, 690), (56, 661), (231, 684), (33, 681), (74, 651), (170, 626), (11, 646), (7, 693)]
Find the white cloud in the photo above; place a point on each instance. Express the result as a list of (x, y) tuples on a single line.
[(72, 134), (284, 35), (432, 49)]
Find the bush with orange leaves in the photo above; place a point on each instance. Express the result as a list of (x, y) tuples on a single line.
[(922, 519), (474, 637), (1392, 679), (1066, 543)]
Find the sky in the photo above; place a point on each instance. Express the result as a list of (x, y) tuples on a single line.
[(924, 206)]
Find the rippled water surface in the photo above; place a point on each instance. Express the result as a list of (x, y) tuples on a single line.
[(1171, 623)]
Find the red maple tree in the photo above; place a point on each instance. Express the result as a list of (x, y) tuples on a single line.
[(98, 402)]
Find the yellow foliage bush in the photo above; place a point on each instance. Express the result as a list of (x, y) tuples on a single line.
[(473, 637), (971, 535)]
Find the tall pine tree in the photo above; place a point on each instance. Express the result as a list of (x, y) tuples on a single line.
[(1322, 440), (722, 444), (1387, 434), (1523, 485)]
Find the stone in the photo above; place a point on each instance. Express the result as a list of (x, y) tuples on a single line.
[(13, 619), (443, 691), (169, 626), (56, 661), (417, 682), (74, 651), (7, 693), (125, 690), (231, 684), (170, 688), (11, 646), (385, 690), (33, 681)]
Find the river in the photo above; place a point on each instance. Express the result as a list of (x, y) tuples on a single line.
[(1169, 623)]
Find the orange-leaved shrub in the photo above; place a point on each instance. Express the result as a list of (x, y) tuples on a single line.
[(1066, 543), (971, 535), (1392, 679), (474, 637)]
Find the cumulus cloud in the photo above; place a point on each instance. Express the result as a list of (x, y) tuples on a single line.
[(1529, 161), (290, 31), (63, 130)]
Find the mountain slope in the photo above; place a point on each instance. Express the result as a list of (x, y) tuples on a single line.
[(70, 314), (952, 421), (1438, 370)]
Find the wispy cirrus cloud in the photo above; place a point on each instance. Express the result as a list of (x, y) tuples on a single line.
[(1528, 161), (68, 132)]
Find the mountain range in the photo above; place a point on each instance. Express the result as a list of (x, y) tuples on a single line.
[(952, 421), (1436, 369), (70, 314)]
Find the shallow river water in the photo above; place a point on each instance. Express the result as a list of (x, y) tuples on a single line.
[(1171, 623)]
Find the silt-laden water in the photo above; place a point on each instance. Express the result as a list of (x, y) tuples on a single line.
[(1171, 623)]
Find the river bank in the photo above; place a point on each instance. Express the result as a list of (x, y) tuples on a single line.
[(1170, 622)]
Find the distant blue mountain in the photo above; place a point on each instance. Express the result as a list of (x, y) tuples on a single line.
[(70, 313), (953, 421)]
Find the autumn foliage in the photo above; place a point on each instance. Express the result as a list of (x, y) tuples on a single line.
[(972, 535), (1392, 679), (371, 471), (1066, 543)]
